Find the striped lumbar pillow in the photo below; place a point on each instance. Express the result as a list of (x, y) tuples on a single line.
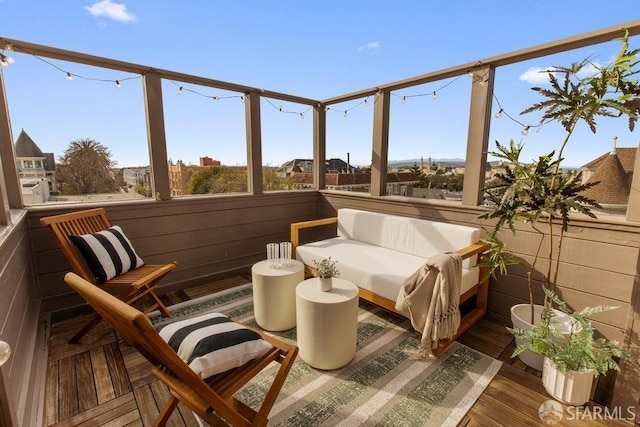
[(212, 343), (108, 253)]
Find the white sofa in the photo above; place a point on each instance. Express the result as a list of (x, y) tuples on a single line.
[(379, 251)]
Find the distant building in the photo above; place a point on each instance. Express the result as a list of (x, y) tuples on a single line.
[(180, 174), (613, 172), (36, 170), (398, 183), (334, 165), (140, 175)]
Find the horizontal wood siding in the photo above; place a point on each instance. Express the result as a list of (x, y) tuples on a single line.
[(20, 326), (206, 235)]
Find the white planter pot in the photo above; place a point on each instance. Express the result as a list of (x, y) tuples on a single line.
[(521, 316), (326, 284), (572, 387)]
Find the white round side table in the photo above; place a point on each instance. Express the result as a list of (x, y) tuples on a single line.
[(274, 294), (327, 328)]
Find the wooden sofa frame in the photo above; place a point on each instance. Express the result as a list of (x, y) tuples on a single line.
[(480, 290)]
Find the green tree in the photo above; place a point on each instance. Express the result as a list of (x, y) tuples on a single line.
[(271, 181), (86, 167), (219, 179)]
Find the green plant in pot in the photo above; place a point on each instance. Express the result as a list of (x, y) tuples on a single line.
[(325, 270), (539, 194), (571, 361)]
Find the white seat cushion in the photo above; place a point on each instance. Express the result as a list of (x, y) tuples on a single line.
[(374, 268), (414, 236)]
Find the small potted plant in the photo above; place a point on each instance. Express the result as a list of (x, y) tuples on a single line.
[(325, 270), (571, 361)]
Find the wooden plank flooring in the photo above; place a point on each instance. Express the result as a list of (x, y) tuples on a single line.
[(103, 381)]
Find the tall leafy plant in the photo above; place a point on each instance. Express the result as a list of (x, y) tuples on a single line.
[(539, 193)]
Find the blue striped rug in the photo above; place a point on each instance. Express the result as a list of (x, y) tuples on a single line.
[(382, 385)]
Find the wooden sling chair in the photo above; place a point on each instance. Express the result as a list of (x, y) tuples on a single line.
[(135, 283), (210, 398)]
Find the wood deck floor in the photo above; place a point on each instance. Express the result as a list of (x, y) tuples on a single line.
[(103, 381)]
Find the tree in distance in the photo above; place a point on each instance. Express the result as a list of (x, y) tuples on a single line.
[(85, 168)]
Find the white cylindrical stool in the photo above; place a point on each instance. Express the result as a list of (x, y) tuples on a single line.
[(327, 323), (274, 294)]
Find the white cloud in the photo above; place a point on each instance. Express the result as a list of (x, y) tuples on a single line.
[(369, 46), (536, 75), (107, 9)]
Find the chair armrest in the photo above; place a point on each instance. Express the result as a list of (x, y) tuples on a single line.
[(297, 226), (473, 249)]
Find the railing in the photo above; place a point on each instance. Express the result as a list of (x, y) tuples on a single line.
[(483, 72)]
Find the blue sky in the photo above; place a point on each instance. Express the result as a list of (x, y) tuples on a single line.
[(310, 49)]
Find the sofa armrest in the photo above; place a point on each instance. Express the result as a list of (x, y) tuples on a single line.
[(297, 226), (473, 249)]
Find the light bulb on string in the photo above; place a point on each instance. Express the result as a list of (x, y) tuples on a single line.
[(3, 60), (9, 47), (499, 114), (69, 76), (10, 60), (404, 99), (346, 113), (180, 91), (5, 352), (366, 101), (118, 85), (216, 98), (280, 107), (435, 95), (525, 131), (326, 108), (302, 116)]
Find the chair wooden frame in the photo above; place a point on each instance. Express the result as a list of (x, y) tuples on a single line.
[(137, 284), (211, 398)]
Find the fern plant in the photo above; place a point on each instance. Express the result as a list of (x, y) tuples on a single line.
[(579, 350)]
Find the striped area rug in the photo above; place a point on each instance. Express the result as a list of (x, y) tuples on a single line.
[(382, 385)]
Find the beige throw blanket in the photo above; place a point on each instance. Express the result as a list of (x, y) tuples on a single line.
[(430, 298)]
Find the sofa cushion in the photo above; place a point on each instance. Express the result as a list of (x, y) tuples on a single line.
[(374, 268), (419, 237)]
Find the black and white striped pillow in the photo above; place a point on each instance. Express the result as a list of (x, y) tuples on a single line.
[(108, 253), (212, 343)]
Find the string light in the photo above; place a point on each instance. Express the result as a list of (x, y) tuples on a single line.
[(346, 113), (182, 89), (283, 110), (525, 127), (118, 85), (69, 76), (433, 94), (5, 60)]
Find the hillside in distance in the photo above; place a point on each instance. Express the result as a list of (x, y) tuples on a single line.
[(410, 162)]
